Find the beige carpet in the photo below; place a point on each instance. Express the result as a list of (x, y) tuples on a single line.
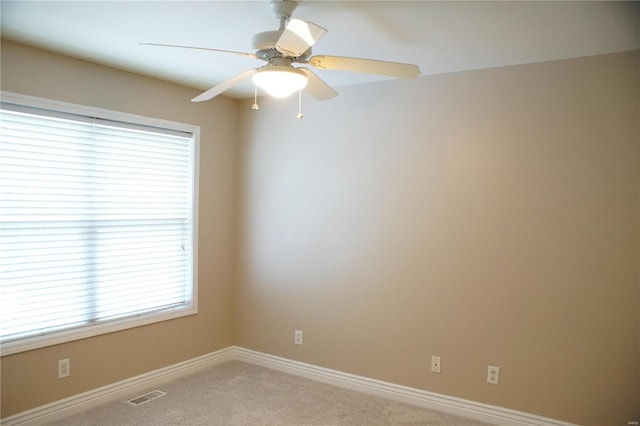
[(237, 393)]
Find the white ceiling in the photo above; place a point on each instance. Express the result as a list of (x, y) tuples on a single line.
[(439, 37)]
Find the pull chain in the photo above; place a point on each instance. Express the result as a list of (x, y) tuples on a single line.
[(299, 116), (255, 98)]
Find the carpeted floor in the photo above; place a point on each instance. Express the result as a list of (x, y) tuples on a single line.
[(237, 393)]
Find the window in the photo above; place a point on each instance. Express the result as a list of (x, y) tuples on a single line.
[(98, 221)]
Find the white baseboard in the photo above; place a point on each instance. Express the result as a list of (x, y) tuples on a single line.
[(462, 407), (60, 409), (66, 407)]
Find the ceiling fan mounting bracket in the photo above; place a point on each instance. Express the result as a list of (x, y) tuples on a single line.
[(283, 8)]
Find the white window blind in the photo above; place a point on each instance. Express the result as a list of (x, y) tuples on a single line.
[(96, 223)]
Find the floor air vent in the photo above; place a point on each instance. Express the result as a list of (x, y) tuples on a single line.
[(150, 396)]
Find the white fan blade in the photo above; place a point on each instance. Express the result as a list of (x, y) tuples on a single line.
[(316, 87), (298, 37), (368, 66), (248, 55), (216, 90)]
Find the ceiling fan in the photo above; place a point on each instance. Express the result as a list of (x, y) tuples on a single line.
[(291, 44)]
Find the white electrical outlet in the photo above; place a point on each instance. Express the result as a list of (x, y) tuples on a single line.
[(297, 338), (64, 368), (435, 364), (493, 375)]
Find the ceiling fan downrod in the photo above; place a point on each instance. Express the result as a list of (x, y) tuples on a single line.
[(283, 10)]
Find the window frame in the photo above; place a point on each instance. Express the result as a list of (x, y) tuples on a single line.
[(91, 330)]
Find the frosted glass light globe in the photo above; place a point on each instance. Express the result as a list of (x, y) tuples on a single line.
[(280, 81)]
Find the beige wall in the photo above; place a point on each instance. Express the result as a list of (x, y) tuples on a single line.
[(30, 379), (488, 217)]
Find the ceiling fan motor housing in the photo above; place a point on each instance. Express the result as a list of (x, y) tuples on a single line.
[(264, 46), (283, 8), (265, 42)]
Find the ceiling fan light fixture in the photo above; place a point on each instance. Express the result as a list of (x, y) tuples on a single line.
[(280, 81)]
